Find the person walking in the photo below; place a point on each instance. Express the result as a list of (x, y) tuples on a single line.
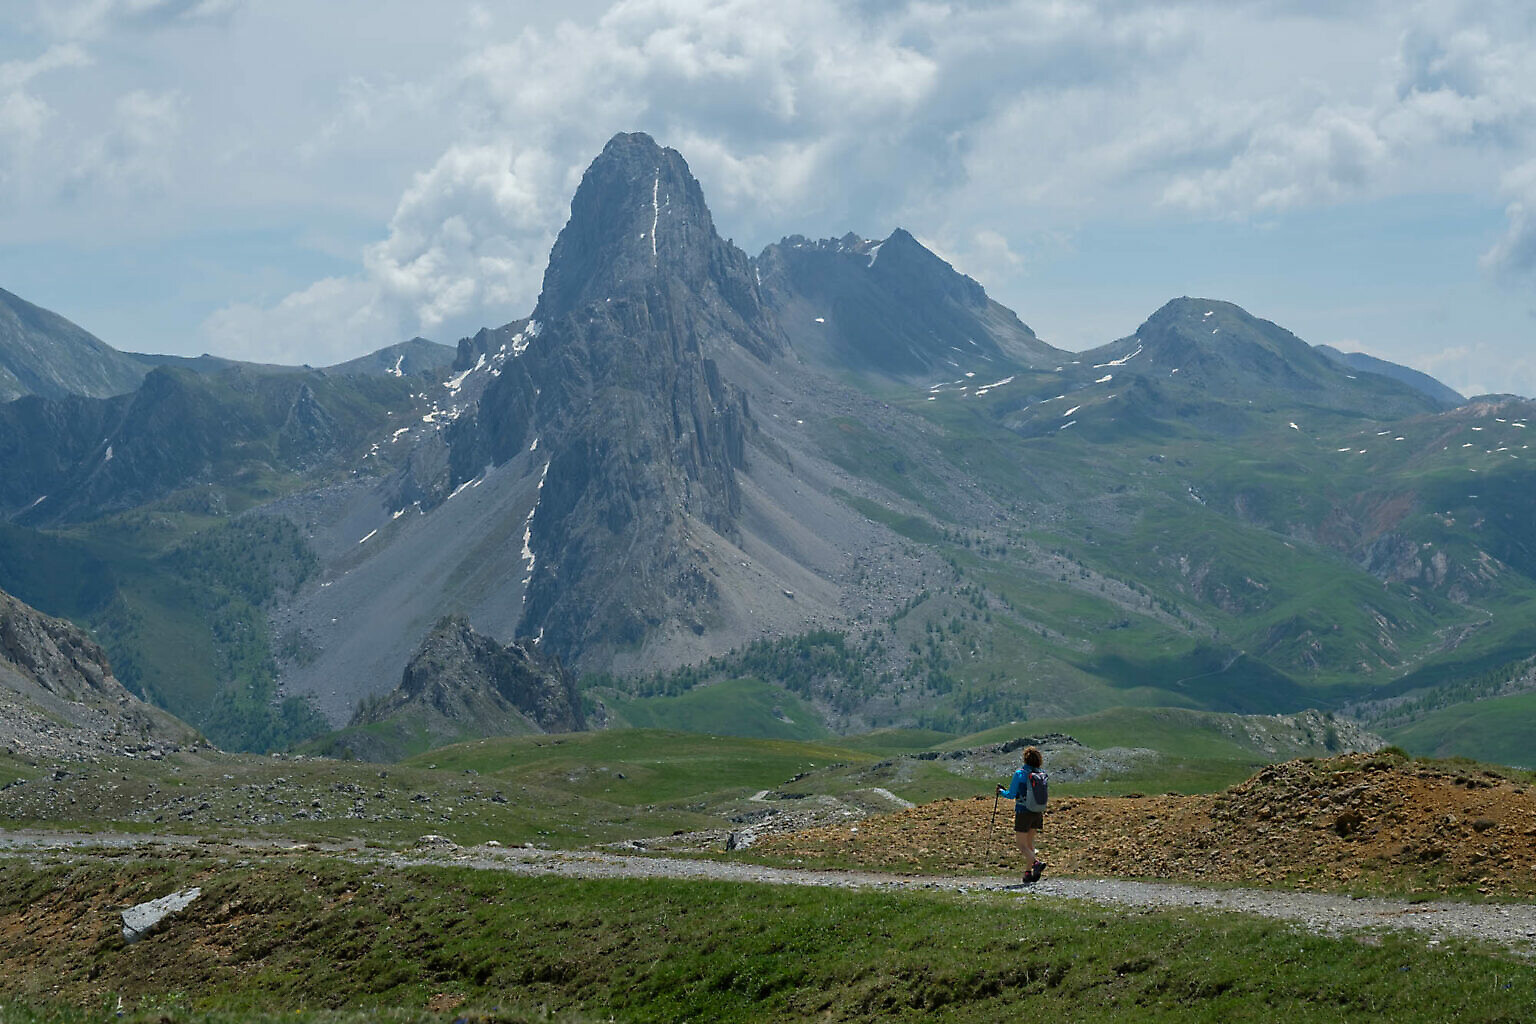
[(1028, 789)]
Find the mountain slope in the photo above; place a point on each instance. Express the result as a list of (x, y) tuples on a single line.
[(41, 353), (59, 699)]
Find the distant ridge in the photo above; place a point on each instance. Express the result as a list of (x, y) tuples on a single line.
[(407, 359), (1406, 374), (41, 353), (1223, 350)]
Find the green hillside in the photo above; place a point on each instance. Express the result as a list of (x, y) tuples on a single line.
[(1500, 729)]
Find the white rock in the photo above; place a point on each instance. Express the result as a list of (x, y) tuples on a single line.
[(140, 920)]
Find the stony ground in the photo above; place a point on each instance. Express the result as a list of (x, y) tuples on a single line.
[(1361, 822)]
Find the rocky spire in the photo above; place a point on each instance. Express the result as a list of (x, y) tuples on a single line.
[(623, 384), (639, 224)]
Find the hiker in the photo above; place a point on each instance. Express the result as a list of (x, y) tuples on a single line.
[(1028, 791)]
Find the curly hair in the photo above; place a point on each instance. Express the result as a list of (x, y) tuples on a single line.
[(1032, 757)]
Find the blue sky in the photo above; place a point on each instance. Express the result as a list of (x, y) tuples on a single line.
[(290, 181)]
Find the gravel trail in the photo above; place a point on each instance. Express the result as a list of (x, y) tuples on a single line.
[(1508, 924), (1512, 925)]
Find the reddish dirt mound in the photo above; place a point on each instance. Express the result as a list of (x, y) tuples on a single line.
[(1365, 821)]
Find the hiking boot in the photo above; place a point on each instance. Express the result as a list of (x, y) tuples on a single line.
[(1035, 871)]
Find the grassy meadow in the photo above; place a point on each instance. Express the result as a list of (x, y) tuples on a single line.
[(308, 939)]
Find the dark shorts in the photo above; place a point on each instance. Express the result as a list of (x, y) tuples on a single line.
[(1028, 821)]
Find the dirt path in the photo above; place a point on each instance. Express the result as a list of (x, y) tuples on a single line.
[(1512, 925)]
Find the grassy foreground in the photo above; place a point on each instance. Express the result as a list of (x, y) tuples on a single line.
[(312, 939)]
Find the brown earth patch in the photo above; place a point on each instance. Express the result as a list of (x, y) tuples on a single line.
[(1363, 821)]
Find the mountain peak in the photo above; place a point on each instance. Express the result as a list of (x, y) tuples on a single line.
[(638, 214), (893, 308)]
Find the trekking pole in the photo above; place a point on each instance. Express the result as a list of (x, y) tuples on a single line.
[(992, 828)]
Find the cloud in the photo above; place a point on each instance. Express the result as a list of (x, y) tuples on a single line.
[(134, 155), (24, 115), (1513, 256), (466, 247)]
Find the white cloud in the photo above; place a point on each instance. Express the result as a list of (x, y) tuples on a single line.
[(466, 247), (134, 155), (23, 115)]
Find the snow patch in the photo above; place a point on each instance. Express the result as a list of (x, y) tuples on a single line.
[(395, 371), (655, 212), (1117, 362), (989, 387), (528, 556), (369, 537), (457, 380), (1105, 379)]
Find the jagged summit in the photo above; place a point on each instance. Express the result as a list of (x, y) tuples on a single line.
[(639, 223)]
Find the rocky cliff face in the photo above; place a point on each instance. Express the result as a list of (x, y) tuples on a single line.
[(618, 394), (58, 697)]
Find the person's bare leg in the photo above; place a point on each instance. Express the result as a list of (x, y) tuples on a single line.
[(1026, 841)]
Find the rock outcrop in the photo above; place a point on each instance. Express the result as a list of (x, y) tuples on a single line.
[(461, 685)]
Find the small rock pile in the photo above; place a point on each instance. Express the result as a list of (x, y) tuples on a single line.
[(1363, 821)]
